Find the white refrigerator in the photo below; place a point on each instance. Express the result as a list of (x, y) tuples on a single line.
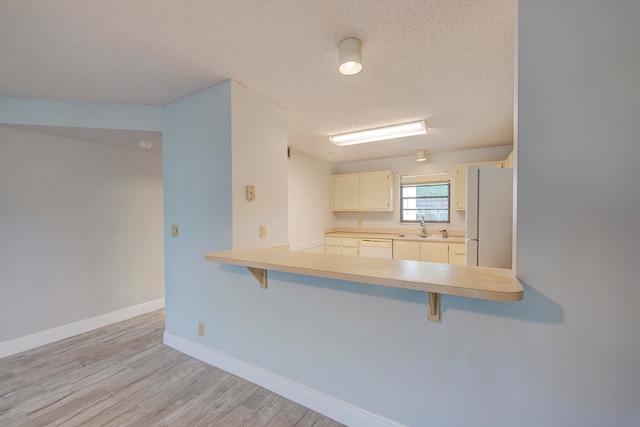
[(489, 217)]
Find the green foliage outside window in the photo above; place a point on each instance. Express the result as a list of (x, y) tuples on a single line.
[(429, 200)]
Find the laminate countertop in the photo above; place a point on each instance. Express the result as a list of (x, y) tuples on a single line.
[(408, 236), (495, 284)]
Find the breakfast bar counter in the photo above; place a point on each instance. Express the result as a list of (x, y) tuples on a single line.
[(494, 284)]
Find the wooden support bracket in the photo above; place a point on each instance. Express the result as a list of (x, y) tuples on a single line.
[(434, 307), (492, 284), (260, 274)]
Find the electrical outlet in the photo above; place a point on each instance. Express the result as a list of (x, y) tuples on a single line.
[(251, 193), (263, 231), (175, 231), (201, 329)]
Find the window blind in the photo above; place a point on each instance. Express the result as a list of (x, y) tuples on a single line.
[(432, 178)]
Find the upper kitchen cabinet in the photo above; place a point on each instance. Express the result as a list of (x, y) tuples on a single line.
[(460, 181), (508, 164), (346, 192), (369, 191)]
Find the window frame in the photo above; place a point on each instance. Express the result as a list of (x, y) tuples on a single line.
[(437, 180)]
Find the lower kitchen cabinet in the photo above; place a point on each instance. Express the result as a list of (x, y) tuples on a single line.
[(330, 249), (457, 253), (445, 253), (348, 250), (434, 252), (406, 250), (439, 251), (341, 245)]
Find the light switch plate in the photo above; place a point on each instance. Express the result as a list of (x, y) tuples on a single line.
[(251, 192), (263, 231)]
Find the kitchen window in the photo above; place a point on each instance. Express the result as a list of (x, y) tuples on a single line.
[(425, 195)]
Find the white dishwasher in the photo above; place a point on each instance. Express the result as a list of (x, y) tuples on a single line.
[(376, 248)]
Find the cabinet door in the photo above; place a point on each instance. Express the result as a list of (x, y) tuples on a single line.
[(346, 250), (375, 191), (346, 191), (333, 250), (457, 253), (460, 182), (434, 252), (508, 163), (406, 250)]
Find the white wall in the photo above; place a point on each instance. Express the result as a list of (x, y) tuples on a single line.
[(309, 200), (437, 162), (95, 115), (80, 231), (259, 145)]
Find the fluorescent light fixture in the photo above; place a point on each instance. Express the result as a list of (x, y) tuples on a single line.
[(380, 134), (350, 56)]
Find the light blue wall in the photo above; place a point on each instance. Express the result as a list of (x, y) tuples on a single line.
[(579, 198), (565, 356), (366, 345), (197, 198)]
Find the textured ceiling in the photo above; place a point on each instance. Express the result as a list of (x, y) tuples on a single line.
[(450, 62)]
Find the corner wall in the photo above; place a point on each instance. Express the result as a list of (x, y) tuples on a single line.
[(259, 146), (309, 200)]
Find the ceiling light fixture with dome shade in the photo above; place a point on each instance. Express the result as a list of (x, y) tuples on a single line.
[(350, 56)]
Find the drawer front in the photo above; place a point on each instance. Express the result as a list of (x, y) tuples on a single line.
[(350, 242)]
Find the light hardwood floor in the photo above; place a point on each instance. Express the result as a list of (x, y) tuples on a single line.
[(122, 375)]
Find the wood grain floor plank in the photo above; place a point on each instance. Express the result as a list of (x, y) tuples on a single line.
[(122, 375)]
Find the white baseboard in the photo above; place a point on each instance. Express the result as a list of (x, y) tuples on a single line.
[(28, 342), (329, 406)]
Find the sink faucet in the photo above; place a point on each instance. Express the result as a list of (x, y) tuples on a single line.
[(423, 227)]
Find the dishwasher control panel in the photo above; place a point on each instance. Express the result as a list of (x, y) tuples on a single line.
[(376, 243)]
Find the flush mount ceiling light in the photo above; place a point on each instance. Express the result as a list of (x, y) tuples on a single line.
[(421, 156), (350, 56), (380, 134)]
